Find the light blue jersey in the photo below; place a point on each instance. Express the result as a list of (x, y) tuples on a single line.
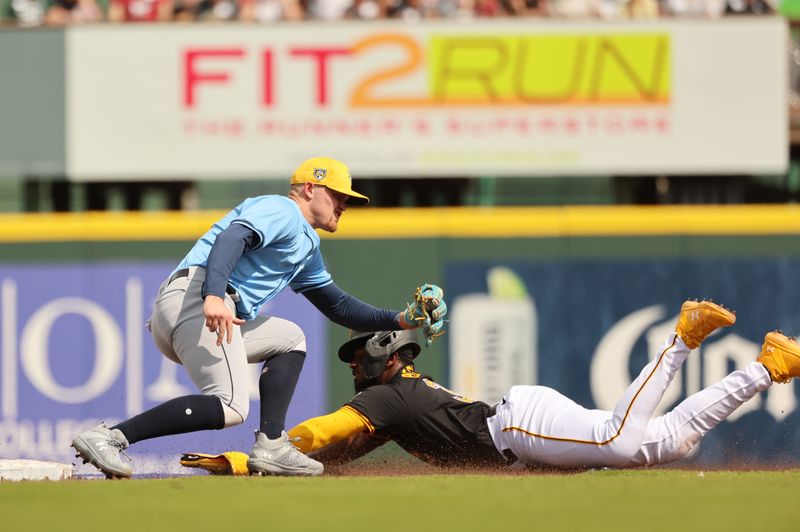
[(288, 253)]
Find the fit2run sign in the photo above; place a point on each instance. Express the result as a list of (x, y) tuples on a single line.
[(500, 98)]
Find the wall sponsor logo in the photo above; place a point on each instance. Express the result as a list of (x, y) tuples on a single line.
[(593, 325), (457, 70), (714, 359), (426, 100), (75, 351)]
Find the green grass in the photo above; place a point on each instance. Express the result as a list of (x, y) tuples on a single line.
[(648, 501)]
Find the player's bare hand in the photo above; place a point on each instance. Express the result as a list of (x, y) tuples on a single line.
[(219, 318)]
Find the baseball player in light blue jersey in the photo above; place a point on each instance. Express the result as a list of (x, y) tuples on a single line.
[(206, 318)]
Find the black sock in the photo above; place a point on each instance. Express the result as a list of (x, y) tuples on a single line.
[(177, 416), (276, 387)]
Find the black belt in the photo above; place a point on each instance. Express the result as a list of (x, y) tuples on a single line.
[(507, 454), (185, 273), (177, 275)]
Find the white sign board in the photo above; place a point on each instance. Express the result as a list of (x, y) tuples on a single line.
[(438, 99)]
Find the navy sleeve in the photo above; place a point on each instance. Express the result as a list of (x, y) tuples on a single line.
[(229, 245), (349, 311)]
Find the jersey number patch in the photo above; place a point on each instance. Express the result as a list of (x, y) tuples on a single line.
[(456, 396)]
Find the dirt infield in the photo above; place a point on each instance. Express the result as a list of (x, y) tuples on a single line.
[(392, 463)]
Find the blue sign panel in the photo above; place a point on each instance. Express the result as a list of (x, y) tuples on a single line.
[(593, 324), (74, 351)]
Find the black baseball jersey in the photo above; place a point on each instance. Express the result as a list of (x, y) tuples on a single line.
[(429, 421)]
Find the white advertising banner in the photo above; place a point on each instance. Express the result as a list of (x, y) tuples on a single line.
[(502, 98)]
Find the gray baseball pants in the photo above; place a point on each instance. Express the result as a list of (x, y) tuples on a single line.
[(179, 331)]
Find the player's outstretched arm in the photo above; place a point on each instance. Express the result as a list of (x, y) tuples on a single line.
[(336, 438), (315, 433), (348, 311), (347, 450)]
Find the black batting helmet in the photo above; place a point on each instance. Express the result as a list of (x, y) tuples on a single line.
[(379, 347)]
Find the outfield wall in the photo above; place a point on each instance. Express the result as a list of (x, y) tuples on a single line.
[(573, 298)]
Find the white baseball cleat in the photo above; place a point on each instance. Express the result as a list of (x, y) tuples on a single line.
[(101, 447), (280, 457)]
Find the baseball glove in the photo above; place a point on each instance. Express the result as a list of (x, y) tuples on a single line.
[(427, 311), (230, 463)]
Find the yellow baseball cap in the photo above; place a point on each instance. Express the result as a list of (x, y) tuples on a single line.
[(329, 173)]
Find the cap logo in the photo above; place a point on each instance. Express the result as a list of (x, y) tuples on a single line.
[(320, 173)]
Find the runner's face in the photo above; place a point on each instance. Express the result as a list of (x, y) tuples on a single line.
[(359, 381)]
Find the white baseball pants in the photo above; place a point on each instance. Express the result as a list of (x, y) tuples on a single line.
[(179, 331), (541, 426)]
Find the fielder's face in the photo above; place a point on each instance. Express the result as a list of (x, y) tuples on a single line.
[(326, 208)]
